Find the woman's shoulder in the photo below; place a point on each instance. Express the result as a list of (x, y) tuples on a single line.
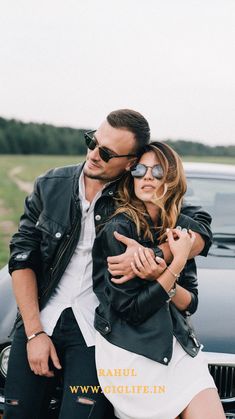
[(121, 219), (121, 223)]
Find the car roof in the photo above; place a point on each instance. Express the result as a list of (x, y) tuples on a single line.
[(210, 170)]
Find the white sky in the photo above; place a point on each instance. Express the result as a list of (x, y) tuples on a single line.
[(71, 62)]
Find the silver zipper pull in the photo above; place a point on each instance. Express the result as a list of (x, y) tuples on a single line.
[(195, 340)]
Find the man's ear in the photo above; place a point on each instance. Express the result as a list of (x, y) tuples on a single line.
[(131, 163)]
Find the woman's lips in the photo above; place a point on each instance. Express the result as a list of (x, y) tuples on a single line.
[(148, 187)]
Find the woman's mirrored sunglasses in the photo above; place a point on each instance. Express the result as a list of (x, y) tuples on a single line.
[(105, 155), (140, 170)]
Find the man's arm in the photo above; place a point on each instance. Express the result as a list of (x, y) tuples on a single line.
[(121, 265), (200, 225), (24, 262), (134, 300), (25, 289), (200, 222), (40, 348), (197, 248), (25, 244)]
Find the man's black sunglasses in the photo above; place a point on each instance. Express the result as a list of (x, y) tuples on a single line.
[(140, 170), (105, 155)]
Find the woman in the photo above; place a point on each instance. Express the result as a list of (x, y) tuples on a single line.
[(149, 361)]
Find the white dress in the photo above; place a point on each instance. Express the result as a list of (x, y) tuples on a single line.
[(140, 388)]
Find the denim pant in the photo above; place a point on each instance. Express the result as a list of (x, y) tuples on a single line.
[(27, 395)]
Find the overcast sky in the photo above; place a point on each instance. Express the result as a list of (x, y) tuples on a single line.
[(71, 62)]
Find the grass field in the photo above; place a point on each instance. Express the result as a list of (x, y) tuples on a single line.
[(26, 169), (12, 198)]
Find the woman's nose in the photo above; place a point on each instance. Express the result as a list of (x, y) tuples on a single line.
[(148, 174)]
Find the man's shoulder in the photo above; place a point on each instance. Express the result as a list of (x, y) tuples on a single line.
[(63, 171)]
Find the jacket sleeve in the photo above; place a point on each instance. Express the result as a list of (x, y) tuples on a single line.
[(24, 245), (199, 221), (188, 280), (135, 300), (188, 277)]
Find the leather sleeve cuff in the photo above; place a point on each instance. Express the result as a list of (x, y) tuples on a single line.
[(158, 252)]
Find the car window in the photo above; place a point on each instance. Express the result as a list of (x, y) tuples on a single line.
[(217, 196)]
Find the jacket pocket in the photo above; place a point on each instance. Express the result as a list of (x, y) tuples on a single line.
[(52, 233), (50, 227), (101, 324)]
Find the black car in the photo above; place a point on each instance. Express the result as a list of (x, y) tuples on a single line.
[(213, 187)]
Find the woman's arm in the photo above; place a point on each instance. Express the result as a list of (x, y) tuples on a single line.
[(191, 217), (135, 300), (186, 289), (187, 283)]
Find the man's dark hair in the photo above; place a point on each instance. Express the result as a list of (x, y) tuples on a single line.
[(132, 121)]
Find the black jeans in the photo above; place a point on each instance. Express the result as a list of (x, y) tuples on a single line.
[(27, 395)]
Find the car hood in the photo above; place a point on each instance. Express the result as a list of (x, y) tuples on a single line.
[(7, 306), (214, 320)]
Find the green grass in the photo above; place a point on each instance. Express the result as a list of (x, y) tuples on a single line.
[(12, 199), (33, 166)]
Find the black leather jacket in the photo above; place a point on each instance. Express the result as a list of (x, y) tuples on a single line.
[(138, 315), (50, 227)]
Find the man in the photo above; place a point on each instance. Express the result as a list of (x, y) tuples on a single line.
[(51, 268)]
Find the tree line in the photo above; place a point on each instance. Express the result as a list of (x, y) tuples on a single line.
[(17, 137)]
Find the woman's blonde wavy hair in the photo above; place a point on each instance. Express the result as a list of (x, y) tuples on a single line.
[(172, 192)]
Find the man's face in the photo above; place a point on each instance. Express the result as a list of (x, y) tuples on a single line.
[(115, 140)]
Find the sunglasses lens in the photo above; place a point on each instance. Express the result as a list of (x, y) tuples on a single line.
[(90, 143), (157, 171), (104, 155), (139, 170)]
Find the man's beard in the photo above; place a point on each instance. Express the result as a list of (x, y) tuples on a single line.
[(102, 177)]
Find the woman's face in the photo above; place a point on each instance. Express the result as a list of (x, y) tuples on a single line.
[(148, 186)]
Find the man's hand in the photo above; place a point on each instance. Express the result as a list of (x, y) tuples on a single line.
[(39, 351), (121, 265)]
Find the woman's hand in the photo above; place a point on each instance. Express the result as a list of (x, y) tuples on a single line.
[(145, 267), (180, 242), (121, 265)]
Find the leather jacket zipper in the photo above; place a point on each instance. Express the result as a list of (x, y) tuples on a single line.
[(191, 332), (193, 337)]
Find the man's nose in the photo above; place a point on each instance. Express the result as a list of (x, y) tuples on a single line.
[(94, 154)]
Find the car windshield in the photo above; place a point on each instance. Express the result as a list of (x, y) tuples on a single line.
[(217, 196)]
